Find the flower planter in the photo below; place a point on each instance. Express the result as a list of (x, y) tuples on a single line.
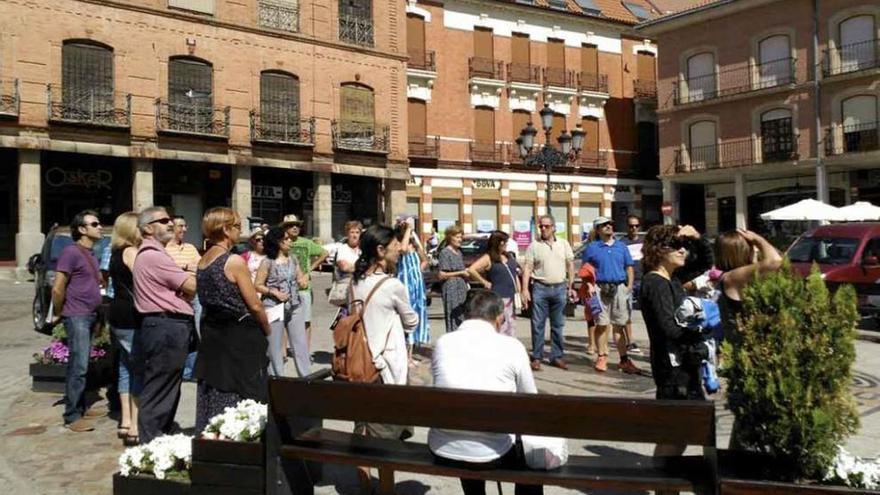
[(748, 473), (224, 466), (140, 484), (51, 377)]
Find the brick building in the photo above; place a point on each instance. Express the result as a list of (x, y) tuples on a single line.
[(751, 114), (480, 70), (269, 106)]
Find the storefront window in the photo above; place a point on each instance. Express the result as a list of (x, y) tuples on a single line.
[(446, 213), (485, 216), (560, 214), (588, 213), (521, 218)]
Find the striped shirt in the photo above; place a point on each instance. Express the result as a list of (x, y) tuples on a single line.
[(185, 255)]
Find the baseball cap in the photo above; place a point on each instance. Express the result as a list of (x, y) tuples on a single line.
[(600, 221)]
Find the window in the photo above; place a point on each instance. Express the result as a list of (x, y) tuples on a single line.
[(279, 105), (824, 250), (555, 71), (777, 139), (357, 124), (558, 4), (415, 40), (200, 6), (190, 95), (700, 83), (417, 112), (559, 125), (639, 11), (589, 7), (520, 119), (858, 43), (279, 14), (520, 59), (356, 22), (702, 147), (484, 134), (86, 81), (860, 123), (774, 61)]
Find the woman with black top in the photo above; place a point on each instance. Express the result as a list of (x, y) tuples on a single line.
[(123, 319), (501, 278), (672, 255), (232, 363)]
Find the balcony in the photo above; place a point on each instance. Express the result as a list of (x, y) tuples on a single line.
[(283, 16), (735, 81), (197, 119), (645, 89), (10, 102), (359, 136), (523, 73), (487, 153), (424, 149), (356, 30), (736, 153), (485, 68), (427, 62), (559, 77), (592, 162), (853, 138), (92, 107), (851, 58), (594, 83), (282, 129)]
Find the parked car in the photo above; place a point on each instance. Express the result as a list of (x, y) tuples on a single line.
[(42, 267), (846, 253), (472, 247)]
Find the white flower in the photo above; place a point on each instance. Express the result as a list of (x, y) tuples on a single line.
[(163, 454), (854, 471), (243, 423)]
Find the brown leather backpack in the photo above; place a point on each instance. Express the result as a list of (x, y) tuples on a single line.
[(352, 359)]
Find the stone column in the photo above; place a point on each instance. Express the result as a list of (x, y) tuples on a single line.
[(467, 206), (241, 195), (323, 206), (427, 214), (670, 195), (29, 238), (395, 200), (742, 213), (574, 234), (142, 183), (505, 207), (607, 198)]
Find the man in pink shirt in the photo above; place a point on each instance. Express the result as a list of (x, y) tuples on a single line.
[(162, 295)]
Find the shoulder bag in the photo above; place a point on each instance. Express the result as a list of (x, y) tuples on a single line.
[(517, 299)]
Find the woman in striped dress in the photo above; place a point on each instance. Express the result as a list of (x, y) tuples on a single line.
[(413, 260)]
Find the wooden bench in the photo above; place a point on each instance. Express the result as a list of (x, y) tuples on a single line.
[(295, 435)]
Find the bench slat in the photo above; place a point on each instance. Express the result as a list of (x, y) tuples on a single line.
[(630, 473), (593, 418)]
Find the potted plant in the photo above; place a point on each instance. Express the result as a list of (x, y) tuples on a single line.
[(161, 466), (230, 452), (49, 369), (789, 370)]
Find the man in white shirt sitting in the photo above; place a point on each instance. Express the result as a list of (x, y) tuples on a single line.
[(477, 357)]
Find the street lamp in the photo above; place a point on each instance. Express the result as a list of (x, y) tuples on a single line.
[(547, 157)]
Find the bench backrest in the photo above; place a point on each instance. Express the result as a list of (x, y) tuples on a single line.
[(592, 418)]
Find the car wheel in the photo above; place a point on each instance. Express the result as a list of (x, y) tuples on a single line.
[(38, 313)]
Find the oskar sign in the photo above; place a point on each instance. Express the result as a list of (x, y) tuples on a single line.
[(86, 179)]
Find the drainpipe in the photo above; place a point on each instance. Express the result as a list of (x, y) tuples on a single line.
[(821, 174)]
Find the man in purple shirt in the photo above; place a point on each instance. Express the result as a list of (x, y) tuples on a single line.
[(162, 295), (76, 295)]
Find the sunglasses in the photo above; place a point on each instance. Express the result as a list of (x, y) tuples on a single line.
[(258, 239), (546, 226), (609, 224), (163, 221), (674, 244), (92, 224), (634, 226)]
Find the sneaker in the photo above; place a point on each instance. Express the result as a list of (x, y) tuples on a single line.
[(627, 366), (80, 425), (634, 348), (536, 365), (601, 364)]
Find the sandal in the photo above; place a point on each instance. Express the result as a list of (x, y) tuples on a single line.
[(131, 440), (122, 431)]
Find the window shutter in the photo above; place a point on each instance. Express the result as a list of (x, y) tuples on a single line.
[(555, 54), (645, 63), (520, 119), (590, 59), (484, 126), (418, 121), (86, 79), (591, 140), (520, 48), (483, 44), (415, 40)]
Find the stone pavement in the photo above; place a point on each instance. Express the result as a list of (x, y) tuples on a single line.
[(38, 456)]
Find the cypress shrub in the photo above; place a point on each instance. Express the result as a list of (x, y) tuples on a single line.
[(789, 370)]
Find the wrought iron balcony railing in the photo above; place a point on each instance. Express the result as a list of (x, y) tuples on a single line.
[(425, 148), (589, 81), (645, 89), (428, 61), (10, 101), (283, 16), (591, 161), (853, 138), (523, 73), (192, 118), (558, 77), (851, 58), (356, 30), (734, 81), (486, 153), (282, 129), (736, 153), (359, 136), (88, 106), (486, 68)]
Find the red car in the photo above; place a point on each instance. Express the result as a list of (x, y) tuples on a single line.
[(847, 253)]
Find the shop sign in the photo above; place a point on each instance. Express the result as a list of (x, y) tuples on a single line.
[(556, 186), (522, 233), (486, 184), (485, 225), (267, 192), (87, 179), (414, 181)]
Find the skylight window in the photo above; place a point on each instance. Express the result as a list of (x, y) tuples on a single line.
[(589, 7), (641, 13), (558, 4)]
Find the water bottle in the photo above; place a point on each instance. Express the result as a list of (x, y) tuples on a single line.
[(710, 379)]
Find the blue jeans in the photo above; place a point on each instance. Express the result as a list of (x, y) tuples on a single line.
[(191, 357), (125, 337), (79, 341), (548, 301)]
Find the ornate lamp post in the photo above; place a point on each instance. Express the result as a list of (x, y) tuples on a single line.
[(570, 146)]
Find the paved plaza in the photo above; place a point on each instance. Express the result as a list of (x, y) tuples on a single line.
[(38, 456)]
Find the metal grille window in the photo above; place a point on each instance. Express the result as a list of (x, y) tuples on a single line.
[(86, 82), (356, 22), (279, 105), (357, 125), (777, 141), (190, 96), (279, 14)]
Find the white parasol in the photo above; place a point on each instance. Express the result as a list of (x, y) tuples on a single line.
[(806, 209), (860, 211)]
